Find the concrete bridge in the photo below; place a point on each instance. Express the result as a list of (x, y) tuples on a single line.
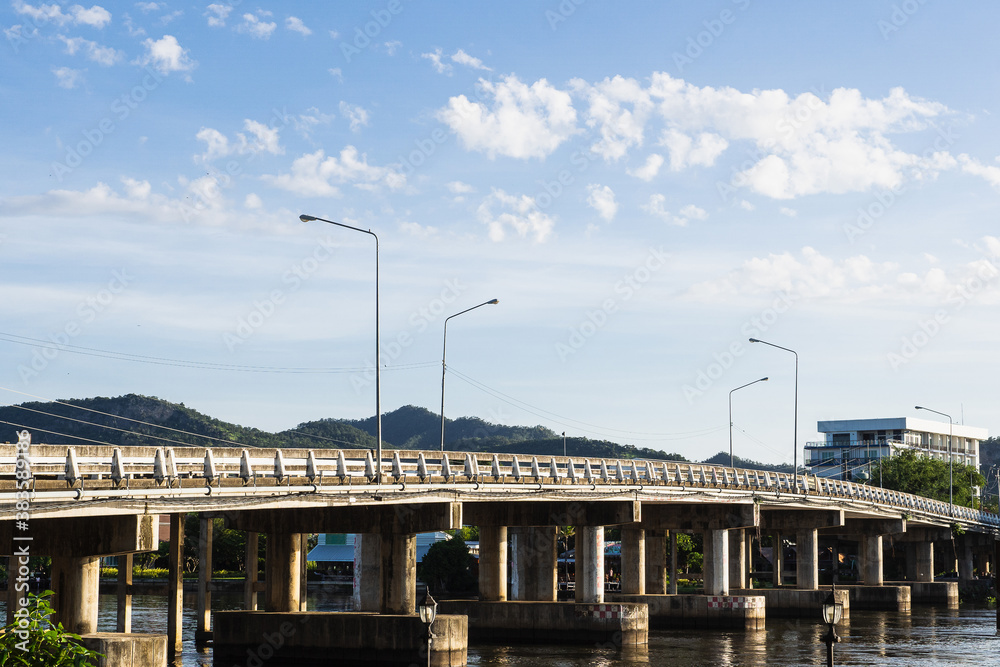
[(79, 503)]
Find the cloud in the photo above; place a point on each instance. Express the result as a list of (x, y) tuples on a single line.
[(67, 78), (315, 175), (336, 73), (989, 173), (102, 55), (522, 122), (656, 207), (650, 169), (692, 212), (262, 139), (418, 230), (356, 115), (295, 24), (460, 57), (147, 7), (439, 66), (790, 212), (520, 214), (686, 151), (257, 28), (463, 58), (602, 199), (310, 120), (619, 108), (392, 47), (166, 55), (217, 14), (95, 17), (459, 188), (253, 202)]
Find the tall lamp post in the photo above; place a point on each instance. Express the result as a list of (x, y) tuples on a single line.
[(951, 478), (731, 460), (444, 350), (795, 435), (428, 612), (833, 611), (378, 347)]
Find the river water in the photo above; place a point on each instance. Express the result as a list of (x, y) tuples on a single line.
[(928, 636)]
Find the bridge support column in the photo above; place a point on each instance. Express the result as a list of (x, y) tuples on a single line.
[(493, 563), (656, 562), (250, 580), (175, 586), (399, 573), (75, 580), (367, 571), (203, 629), (777, 560), (715, 564), (924, 558), (281, 571), (672, 585), (965, 563), (124, 621), (807, 559), (14, 597), (534, 570), (737, 559), (590, 564), (871, 545), (633, 561), (748, 551)]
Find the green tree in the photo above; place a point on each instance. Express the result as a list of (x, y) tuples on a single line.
[(447, 566), (34, 642), (920, 475)]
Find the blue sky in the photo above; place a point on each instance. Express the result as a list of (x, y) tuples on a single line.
[(642, 185)]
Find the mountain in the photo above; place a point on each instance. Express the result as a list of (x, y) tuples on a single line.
[(722, 459)]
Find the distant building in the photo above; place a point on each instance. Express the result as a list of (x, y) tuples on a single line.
[(851, 445)]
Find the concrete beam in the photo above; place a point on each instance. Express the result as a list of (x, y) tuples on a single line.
[(400, 519), (91, 536), (868, 527), (924, 534), (552, 513), (792, 521), (700, 517)]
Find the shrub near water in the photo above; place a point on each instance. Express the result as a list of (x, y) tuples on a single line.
[(32, 641)]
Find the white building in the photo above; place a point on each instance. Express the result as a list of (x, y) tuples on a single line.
[(851, 444)]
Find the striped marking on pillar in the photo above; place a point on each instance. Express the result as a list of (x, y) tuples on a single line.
[(600, 611), (735, 602)]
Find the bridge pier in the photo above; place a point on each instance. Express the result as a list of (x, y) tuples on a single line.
[(534, 565), (656, 562), (282, 569), (76, 580), (633, 560), (493, 563), (737, 559), (672, 586), (590, 564)]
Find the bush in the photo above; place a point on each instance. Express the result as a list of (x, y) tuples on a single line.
[(447, 566), (35, 642)]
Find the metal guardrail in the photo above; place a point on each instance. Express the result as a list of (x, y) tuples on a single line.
[(58, 473)]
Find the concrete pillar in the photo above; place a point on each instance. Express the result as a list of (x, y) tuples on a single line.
[(203, 620), (707, 561), (672, 585), (910, 554), (304, 573), (871, 545), (717, 577), (493, 563), (924, 558), (399, 574), (965, 572), (982, 561), (75, 580), (777, 560), (250, 580), (124, 621), (282, 569), (737, 559), (175, 586), (656, 562), (533, 575), (16, 599), (590, 564), (633, 561), (749, 552), (367, 571), (807, 559)]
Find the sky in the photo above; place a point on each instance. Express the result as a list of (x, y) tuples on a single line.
[(643, 186)]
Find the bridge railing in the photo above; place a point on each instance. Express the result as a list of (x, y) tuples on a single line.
[(112, 467)]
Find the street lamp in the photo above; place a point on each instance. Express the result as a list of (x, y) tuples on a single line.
[(832, 613), (444, 349), (564, 444), (731, 463), (795, 435), (378, 348), (951, 478), (428, 612)]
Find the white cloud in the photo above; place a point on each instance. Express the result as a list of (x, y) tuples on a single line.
[(418, 230), (102, 55), (310, 120), (790, 212), (650, 169), (602, 199), (262, 139), (989, 173), (336, 73), (439, 66), (295, 24), (315, 175), (520, 214), (356, 115), (746, 206), (692, 212), (459, 188), (95, 17), (253, 202), (463, 58), (686, 152), (217, 14), (619, 107), (656, 207), (334, 34), (166, 55), (67, 78), (257, 28), (147, 7), (167, 18), (392, 47), (522, 122)]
